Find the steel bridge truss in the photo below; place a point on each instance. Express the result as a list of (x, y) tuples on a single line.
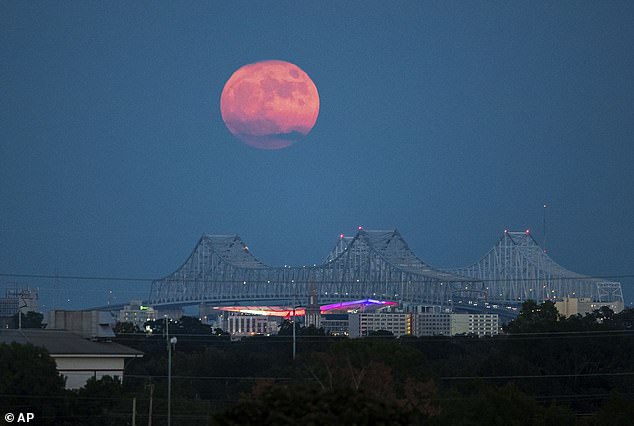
[(517, 269), (372, 264)]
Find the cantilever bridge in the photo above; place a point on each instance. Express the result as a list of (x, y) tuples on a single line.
[(517, 269), (373, 264)]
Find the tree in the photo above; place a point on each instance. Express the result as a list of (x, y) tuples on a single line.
[(126, 327), (603, 315), (97, 399), (286, 329), (30, 379), (381, 369), (190, 325), (380, 333), (534, 318), (311, 330), (184, 325), (308, 405), (618, 410), (490, 405), (624, 320), (30, 320), (220, 332)]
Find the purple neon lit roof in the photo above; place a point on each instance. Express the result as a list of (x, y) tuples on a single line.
[(366, 303), (283, 311)]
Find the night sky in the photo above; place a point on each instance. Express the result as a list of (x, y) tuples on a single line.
[(450, 121)]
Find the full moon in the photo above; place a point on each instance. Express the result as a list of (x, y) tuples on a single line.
[(269, 104)]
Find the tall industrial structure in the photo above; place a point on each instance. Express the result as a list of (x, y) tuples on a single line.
[(376, 265)]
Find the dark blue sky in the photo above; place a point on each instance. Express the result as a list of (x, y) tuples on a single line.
[(450, 121)]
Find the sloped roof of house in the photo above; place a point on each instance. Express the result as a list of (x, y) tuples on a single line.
[(65, 343)]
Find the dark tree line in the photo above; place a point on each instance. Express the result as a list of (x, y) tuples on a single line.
[(545, 370)]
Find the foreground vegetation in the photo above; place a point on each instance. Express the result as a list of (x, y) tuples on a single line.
[(544, 370)]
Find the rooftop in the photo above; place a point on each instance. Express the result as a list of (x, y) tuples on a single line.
[(60, 342)]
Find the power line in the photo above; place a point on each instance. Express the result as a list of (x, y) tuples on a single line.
[(77, 277), (501, 337), (573, 332), (145, 279), (537, 376), (519, 376), (236, 378)]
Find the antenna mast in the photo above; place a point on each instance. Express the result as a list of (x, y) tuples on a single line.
[(544, 228)]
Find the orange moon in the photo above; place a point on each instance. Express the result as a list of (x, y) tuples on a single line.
[(269, 104)]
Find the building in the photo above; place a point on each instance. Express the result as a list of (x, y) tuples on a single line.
[(362, 323), (137, 314), (435, 322), (570, 306), (87, 324), (8, 308), (241, 325), (209, 315), (477, 324), (76, 358), (432, 324), (335, 324), (17, 299), (313, 310)]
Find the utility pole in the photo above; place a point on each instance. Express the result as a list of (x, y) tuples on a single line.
[(134, 411), (170, 342), (20, 312), (294, 340), (169, 372), (149, 415)]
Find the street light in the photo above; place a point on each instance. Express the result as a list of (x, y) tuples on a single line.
[(294, 294), (294, 338), (20, 312), (171, 343)]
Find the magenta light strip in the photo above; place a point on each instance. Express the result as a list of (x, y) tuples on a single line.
[(365, 302)]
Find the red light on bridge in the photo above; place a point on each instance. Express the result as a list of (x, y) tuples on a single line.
[(341, 236), (360, 228), (528, 231)]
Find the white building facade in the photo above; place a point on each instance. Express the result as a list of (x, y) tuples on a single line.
[(240, 325), (137, 314), (362, 323), (478, 324), (431, 323)]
